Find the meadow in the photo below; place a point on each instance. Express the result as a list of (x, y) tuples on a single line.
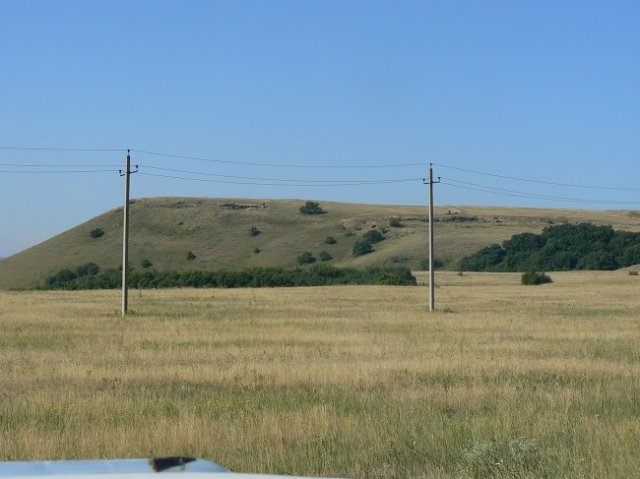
[(503, 380)]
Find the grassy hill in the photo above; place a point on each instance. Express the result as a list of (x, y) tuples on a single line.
[(218, 233)]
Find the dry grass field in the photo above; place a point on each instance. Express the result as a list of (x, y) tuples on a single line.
[(502, 381)]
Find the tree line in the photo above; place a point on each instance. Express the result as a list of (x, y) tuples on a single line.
[(88, 277), (559, 248)]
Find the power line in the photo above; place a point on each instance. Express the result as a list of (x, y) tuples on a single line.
[(275, 165), (68, 168), (300, 184), (327, 182), (53, 165), (519, 194), (26, 172), (63, 150), (592, 187)]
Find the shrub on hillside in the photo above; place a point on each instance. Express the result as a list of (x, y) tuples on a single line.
[(395, 222), (330, 240), (86, 269), (191, 256), (254, 231), (312, 208), (306, 258), (146, 263), (60, 280), (373, 237), (534, 277), (325, 256), (96, 233), (361, 248)]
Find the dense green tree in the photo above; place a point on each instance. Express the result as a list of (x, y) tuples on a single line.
[(631, 255), (87, 269), (560, 247), (487, 259), (316, 275)]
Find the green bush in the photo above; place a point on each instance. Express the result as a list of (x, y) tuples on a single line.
[(395, 222), (254, 231), (190, 256), (361, 248), (486, 259), (87, 269), (325, 256), (330, 240), (437, 264), (534, 277), (631, 255), (61, 280), (312, 208), (633, 273), (306, 258), (146, 263), (96, 233), (373, 237)]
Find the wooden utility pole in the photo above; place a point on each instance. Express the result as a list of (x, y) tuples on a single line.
[(125, 234), (432, 299)]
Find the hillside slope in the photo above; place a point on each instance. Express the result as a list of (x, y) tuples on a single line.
[(218, 233)]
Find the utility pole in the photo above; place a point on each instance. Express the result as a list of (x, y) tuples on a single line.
[(432, 303), (125, 234)]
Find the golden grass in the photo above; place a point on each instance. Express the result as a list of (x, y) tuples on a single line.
[(502, 381)]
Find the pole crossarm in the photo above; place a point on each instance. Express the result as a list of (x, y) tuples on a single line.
[(130, 172)]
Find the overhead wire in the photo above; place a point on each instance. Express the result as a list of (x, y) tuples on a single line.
[(282, 180), (529, 180), (64, 150), (204, 176), (52, 172), (520, 194), (275, 182), (276, 165), (54, 165)]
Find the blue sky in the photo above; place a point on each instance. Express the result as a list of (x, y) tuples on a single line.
[(315, 91)]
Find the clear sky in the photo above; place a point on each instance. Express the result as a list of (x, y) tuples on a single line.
[(315, 92)]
